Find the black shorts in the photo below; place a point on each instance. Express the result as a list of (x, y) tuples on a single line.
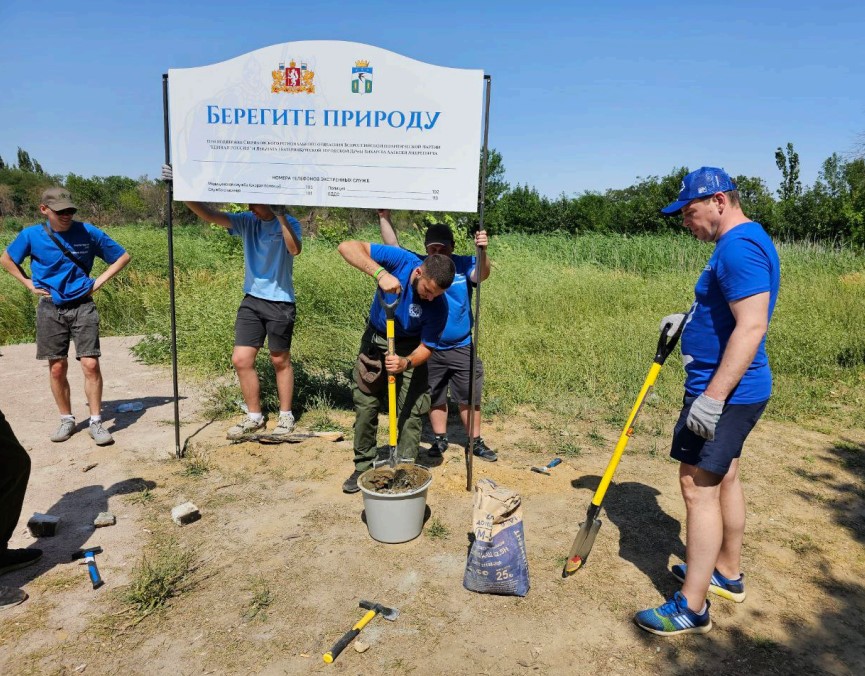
[(57, 324), (451, 367), (716, 456), (258, 318)]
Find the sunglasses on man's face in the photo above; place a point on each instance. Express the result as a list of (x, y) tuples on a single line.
[(65, 212)]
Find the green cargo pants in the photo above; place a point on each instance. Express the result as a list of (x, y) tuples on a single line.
[(412, 402)]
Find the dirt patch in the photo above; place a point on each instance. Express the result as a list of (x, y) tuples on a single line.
[(281, 557), (403, 478)]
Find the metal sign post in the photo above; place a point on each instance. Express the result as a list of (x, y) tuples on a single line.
[(479, 256), (178, 451)]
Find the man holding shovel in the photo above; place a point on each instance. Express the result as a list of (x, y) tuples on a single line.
[(449, 365), (420, 318), (728, 383)]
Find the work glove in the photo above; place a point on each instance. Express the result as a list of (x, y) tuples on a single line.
[(674, 321), (167, 173), (704, 415)]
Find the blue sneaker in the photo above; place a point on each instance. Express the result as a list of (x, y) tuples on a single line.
[(674, 617), (733, 590)]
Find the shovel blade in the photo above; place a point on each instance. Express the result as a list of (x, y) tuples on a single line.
[(582, 546)]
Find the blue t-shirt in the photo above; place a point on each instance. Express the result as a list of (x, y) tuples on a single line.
[(743, 264), (458, 330), (414, 316), (52, 270), (268, 265)]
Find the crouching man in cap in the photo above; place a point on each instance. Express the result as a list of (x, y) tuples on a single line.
[(727, 385), (62, 252), (449, 366), (419, 321)]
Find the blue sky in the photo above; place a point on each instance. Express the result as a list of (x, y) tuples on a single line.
[(586, 95)]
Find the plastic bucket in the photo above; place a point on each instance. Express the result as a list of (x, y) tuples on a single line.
[(396, 517)]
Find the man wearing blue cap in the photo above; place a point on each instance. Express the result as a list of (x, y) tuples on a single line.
[(727, 385)]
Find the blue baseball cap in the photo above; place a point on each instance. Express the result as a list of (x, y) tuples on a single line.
[(704, 182)]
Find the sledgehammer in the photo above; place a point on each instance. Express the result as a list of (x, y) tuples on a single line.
[(89, 556), (390, 614)]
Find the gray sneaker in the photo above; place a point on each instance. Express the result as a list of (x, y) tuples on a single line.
[(285, 424), (246, 426), (67, 427), (100, 435)]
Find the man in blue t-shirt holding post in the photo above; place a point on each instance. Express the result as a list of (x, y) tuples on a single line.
[(449, 366), (728, 383), (271, 240), (61, 252), (419, 320)]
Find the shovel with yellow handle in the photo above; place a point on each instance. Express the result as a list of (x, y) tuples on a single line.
[(589, 528)]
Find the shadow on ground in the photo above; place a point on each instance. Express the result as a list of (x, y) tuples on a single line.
[(77, 509)]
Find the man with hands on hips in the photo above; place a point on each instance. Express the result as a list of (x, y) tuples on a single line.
[(728, 384)]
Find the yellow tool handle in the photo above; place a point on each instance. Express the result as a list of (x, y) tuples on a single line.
[(391, 385), (347, 638), (627, 431)]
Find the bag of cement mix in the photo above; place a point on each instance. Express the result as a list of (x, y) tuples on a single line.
[(497, 562)]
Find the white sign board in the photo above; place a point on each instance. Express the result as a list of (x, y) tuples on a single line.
[(324, 123)]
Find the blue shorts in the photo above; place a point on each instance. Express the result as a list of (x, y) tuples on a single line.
[(716, 456)]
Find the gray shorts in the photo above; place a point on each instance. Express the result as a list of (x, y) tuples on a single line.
[(57, 324), (451, 367), (258, 319)]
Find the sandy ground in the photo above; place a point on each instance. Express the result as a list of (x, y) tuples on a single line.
[(281, 557)]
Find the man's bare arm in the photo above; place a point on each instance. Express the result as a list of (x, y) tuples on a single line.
[(111, 270), (752, 322), (209, 214), (18, 273), (388, 234), (292, 243)]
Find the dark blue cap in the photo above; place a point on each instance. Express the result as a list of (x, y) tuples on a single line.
[(704, 182)]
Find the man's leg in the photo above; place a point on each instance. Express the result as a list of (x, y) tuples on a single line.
[(57, 369), (476, 422), (733, 515), (14, 474), (412, 403), (284, 378), (243, 359), (438, 419), (705, 530), (92, 384)]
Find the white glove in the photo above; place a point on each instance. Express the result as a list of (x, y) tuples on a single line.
[(675, 321), (167, 173), (704, 415)]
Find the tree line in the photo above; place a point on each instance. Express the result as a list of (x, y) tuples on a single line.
[(830, 210)]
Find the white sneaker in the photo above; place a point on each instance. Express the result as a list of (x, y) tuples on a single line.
[(285, 424), (67, 427), (246, 426), (100, 435)]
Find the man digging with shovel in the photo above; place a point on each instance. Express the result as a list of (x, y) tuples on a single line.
[(727, 386), (420, 318), (450, 364)]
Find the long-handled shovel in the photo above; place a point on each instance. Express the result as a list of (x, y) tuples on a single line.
[(589, 528), (389, 311)]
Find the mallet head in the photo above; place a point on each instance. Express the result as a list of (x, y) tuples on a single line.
[(390, 614), (81, 553)]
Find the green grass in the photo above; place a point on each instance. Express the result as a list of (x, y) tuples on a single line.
[(161, 574), (568, 324), (436, 529)]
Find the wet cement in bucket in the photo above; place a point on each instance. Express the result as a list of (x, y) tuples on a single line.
[(404, 478)]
